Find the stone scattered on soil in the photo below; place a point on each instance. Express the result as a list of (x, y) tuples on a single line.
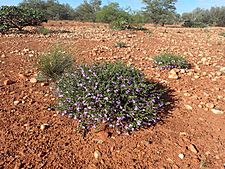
[(222, 70), (182, 71), (16, 102), (183, 133), (187, 94), (33, 80), (44, 84), (210, 105), (217, 111), (181, 156), (188, 107), (44, 126), (97, 154), (8, 82), (193, 148), (173, 74)]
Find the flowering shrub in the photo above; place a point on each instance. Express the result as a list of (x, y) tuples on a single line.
[(110, 93), (170, 61)]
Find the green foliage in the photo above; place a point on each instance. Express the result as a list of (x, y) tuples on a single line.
[(19, 17), (87, 10), (51, 8), (43, 30), (213, 17), (121, 44), (52, 65), (138, 17), (111, 13), (193, 24), (160, 11), (126, 102), (170, 61), (119, 24)]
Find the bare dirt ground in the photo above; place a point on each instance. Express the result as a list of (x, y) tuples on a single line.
[(192, 136)]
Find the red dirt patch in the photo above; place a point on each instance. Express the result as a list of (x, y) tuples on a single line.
[(23, 144)]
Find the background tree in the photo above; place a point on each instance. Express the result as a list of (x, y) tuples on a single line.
[(87, 10), (159, 11), (203, 17), (52, 8), (112, 12), (19, 17)]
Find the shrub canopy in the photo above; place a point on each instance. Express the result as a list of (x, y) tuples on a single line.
[(110, 93), (19, 17)]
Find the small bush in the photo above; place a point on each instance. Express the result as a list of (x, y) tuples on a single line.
[(170, 61), (110, 93), (119, 24), (222, 34), (43, 30), (52, 65), (122, 24), (193, 24), (121, 44)]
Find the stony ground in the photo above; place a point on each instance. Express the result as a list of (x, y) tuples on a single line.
[(191, 136)]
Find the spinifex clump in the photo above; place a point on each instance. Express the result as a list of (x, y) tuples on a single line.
[(52, 65), (170, 61), (110, 93)]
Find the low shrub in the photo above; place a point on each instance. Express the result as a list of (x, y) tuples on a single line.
[(119, 24), (43, 30), (193, 24), (170, 61), (120, 45), (52, 65), (112, 94), (222, 34)]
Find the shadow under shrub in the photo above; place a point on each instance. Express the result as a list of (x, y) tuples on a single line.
[(170, 61), (111, 93), (52, 65)]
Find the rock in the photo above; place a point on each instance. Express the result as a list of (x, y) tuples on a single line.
[(188, 107), (217, 111), (181, 156), (44, 126), (189, 73), (99, 141), (8, 82), (182, 71), (33, 80), (187, 94), (21, 76), (44, 84), (173, 74), (210, 105), (183, 134), (16, 102), (196, 76), (97, 154), (193, 148), (204, 60), (218, 73), (222, 70)]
